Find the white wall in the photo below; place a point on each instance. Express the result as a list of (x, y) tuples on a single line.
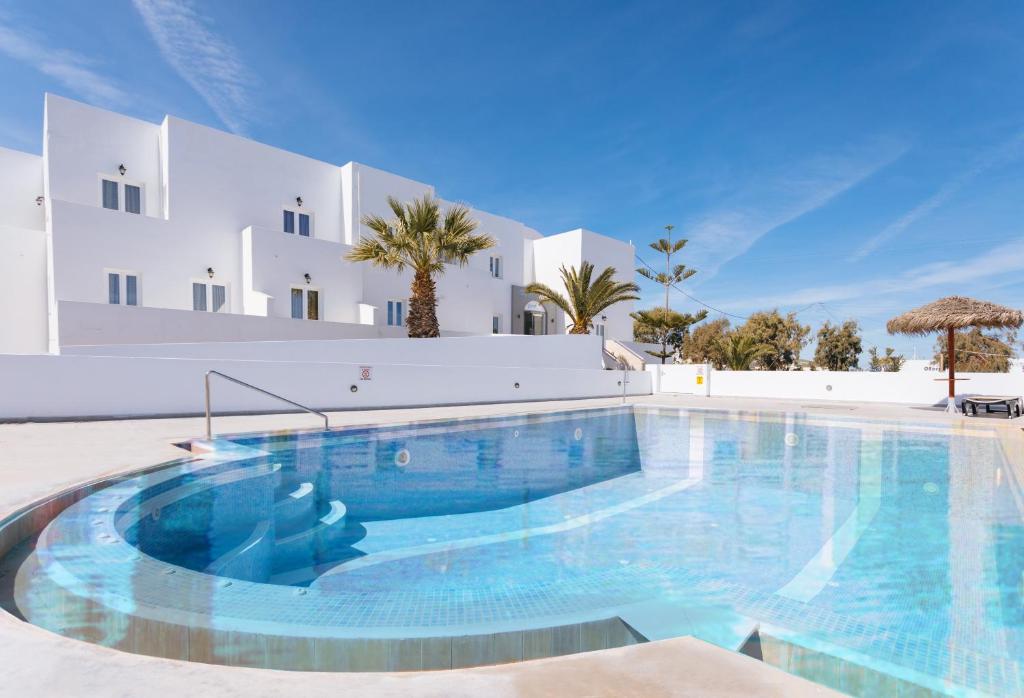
[(279, 262), (21, 181), (909, 387), (100, 323), (572, 249), (23, 297), (88, 386), (552, 351), (602, 251), (23, 308), (83, 142), (224, 183)]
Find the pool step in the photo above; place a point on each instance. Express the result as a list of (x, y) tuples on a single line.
[(661, 620), (847, 670)]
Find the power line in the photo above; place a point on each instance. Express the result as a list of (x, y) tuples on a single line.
[(695, 300), (723, 312)]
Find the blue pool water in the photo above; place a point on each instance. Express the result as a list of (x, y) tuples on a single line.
[(898, 547)]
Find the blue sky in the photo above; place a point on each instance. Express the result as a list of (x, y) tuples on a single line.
[(844, 160)]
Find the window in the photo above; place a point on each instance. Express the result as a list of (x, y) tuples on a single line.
[(132, 198), (599, 329), (118, 194), (305, 223), (122, 288), (305, 304), (395, 317), (209, 297), (495, 324), (110, 195), (496, 269)]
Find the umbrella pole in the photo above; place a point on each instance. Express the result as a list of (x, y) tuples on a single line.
[(951, 363)]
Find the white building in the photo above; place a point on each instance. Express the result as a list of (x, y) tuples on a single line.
[(125, 231)]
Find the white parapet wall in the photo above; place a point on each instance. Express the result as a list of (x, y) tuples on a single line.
[(548, 351), (908, 387), (47, 386), (167, 379)]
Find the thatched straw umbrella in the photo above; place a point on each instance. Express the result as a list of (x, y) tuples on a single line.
[(952, 314)]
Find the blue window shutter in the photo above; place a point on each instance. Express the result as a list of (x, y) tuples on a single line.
[(110, 194), (132, 199), (131, 290), (114, 289)]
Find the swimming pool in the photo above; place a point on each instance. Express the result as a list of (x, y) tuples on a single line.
[(896, 550)]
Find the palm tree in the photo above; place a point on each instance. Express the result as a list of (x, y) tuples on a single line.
[(740, 351), (586, 299), (417, 237)]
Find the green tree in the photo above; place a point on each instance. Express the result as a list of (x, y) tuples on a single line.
[(891, 362), (667, 328), (703, 345), (978, 352), (740, 351), (784, 335), (839, 346), (587, 296), (668, 278), (419, 237)]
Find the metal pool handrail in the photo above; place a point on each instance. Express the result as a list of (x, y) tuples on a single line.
[(209, 427)]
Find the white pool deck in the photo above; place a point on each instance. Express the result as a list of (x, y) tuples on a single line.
[(41, 458)]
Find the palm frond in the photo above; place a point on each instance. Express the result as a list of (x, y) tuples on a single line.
[(546, 294)]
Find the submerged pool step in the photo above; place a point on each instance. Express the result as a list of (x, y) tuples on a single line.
[(661, 620), (847, 670)]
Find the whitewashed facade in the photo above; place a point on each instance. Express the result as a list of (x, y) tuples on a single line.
[(125, 231)]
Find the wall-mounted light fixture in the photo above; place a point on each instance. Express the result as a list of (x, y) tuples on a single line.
[(40, 200), (307, 277), (603, 318), (298, 201), (209, 272), (122, 169)]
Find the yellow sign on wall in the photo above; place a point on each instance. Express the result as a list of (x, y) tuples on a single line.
[(700, 380)]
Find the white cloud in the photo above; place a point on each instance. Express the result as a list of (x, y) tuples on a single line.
[(206, 61), (954, 274), (777, 199), (1002, 153), (74, 71)]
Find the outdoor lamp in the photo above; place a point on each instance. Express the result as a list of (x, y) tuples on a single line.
[(307, 277), (603, 318), (298, 201), (209, 272), (40, 200), (122, 169)]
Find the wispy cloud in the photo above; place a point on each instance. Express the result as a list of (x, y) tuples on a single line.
[(1003, 259), (1002, 153), (210, 64), (75, 72), (778, 198)]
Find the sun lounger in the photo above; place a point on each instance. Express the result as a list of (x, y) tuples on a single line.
[(1013, 405)]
